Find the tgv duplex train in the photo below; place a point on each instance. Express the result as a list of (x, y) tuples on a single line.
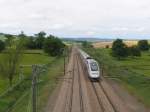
[(91, 65)]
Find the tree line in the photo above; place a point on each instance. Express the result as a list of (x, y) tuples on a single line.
[(121, 50), (13, 48), (50, 44), (86, 44)]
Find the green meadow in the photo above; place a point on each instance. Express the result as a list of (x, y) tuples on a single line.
[(132, 72), (21, 94)]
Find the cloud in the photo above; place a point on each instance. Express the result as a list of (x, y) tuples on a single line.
[(90, 33), (76, 17)]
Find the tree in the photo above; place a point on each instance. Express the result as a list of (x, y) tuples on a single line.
[(53, 46), (40, 37), (143, 45), (86, 44), (30, 43), (2, 45), (9, 39), (9, 63), (22, 35), (134, 51), (107, 46), (119, 49)]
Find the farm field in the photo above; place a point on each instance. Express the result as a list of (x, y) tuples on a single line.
[(133, 73), (104, 44), (29, 58)]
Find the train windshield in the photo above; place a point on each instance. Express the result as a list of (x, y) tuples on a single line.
[(94, 66)]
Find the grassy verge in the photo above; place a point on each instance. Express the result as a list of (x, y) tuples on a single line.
[(134, 73), (45, 87), (12, 96), (28, 59)]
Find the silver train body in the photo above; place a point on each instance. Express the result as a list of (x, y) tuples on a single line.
[(91, 65)]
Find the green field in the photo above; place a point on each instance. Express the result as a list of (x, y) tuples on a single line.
[(28, 59), (22, 92), (133, 73), (44, 89)]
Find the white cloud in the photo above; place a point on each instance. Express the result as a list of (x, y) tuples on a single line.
[(90, 33), (75, 17)]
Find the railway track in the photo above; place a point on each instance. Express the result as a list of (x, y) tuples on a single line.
[(105, 104), (80, 88), (79, 94), (104, 101)]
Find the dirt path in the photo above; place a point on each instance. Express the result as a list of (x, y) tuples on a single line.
[(78, 94)]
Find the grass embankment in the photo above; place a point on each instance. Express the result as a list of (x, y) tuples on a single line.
[(133, 73), (22, 92), (48, 83)]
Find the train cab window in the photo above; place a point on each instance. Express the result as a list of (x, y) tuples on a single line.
[(94, 66)]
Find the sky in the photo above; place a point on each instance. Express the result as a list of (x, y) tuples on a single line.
[(77, 18)]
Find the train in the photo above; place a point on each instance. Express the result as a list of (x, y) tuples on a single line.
[(91, 65)]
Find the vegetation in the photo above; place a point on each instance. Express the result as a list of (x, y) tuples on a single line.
[(119, 49), (107, 46), (143, 45), (133, 73), (30, 43), (40, 37), (9, 39), (86, 44), (10, 98), (10, 61), (15, 54), (49, 82), (53, 46), (2, 45), (134, 51)]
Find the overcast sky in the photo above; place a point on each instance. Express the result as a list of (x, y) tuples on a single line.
[(74, 18)]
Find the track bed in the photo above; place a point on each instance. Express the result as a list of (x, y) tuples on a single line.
[(79, 94)]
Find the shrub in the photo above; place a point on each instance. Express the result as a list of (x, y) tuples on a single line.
[(40, 37), (107, 46), (143, 45), (30, 43), (53, 46), (119, 49), (2, 45), (87, 44), (134, 51)]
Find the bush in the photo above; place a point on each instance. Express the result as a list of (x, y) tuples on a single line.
[(40, 37), (53, 46), (87, 44), (119, 49), (2, 45), (134, 51), (35, 42), (143, 45), (107, 46), (30, 43)]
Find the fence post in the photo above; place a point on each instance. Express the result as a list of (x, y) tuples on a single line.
[(64, 63), (21, 73), (34, 70)]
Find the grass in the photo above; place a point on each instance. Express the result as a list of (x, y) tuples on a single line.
[(44, 89), (134, 73), (28, 59)]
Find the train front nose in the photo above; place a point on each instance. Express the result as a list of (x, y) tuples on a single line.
[(95, 75)]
